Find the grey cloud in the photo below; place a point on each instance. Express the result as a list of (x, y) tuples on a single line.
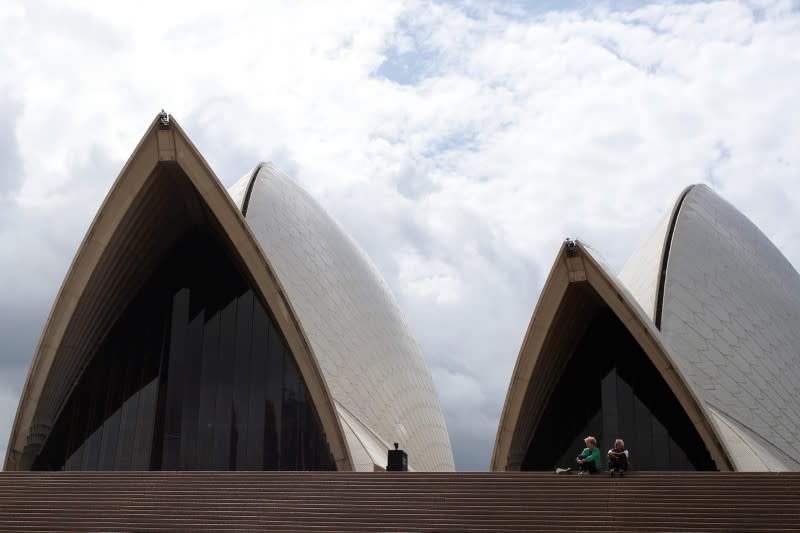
[(413, 184), (20, 328), (470, 450), (20, 321), (11, 165)]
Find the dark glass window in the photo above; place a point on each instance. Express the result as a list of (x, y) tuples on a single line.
[(610, 389), (193, 376)]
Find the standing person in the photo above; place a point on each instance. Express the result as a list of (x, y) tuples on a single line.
[(617, 458), (589, 459)]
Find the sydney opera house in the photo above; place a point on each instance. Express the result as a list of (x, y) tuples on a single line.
[(692, 352), (202, 330), (199, 329)]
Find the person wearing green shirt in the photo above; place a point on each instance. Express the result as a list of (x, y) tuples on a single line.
[(589, 459)]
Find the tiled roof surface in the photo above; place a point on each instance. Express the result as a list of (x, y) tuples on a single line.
[(731, 319), (373, 367)]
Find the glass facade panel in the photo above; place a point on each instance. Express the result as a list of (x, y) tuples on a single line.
[(273, 421), (610, 389), (193, 376)]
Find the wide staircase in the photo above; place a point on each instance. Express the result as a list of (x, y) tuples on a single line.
[(363, 502)]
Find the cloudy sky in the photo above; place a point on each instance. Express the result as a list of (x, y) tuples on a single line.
[(458, 143)]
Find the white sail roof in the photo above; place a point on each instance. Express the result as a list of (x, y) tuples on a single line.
[(381, 386)]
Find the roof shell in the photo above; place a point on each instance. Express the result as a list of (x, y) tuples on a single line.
[(731, 319), (555, 327), (135, 220), (378, 378)]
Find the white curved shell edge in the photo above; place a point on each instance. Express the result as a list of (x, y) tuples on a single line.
[(377, 376)]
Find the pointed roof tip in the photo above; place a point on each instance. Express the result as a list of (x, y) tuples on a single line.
[(270, 170), (265, 165), (271, 167), (573, 247), (698, 185), (256, 175), (686, 191), (259, 166), (163, 119)]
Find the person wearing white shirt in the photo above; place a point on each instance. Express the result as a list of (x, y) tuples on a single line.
[(617, 459)]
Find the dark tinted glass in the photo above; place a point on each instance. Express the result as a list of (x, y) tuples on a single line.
[(193, 376), (610, 390)]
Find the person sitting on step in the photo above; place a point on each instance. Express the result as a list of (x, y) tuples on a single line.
[(589, 459), (617, 459)]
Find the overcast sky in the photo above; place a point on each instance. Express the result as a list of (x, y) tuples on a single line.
[(458, 143)]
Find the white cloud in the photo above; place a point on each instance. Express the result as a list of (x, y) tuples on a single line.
[(499, 135)]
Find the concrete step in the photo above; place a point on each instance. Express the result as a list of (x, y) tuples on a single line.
[(382, 502)]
